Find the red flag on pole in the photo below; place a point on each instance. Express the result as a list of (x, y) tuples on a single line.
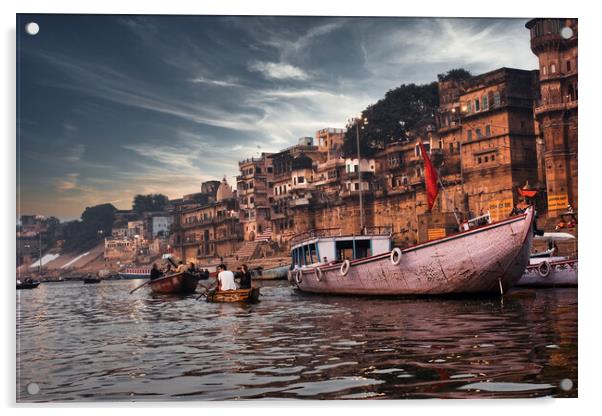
[(430, 178)]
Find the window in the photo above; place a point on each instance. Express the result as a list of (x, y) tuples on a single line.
[(301, 179), (553, 69), (486, 159), (485, 103), (355, 168), (477, 105), (257, 169), (251, 200), (250, 185), (451, 148), (487, 130), (270, 169), (469, 135), (356, 186), (496, 99), (479, 160), (479, 133), (492, 158), (544, 70), (469, 107), (568, 65)]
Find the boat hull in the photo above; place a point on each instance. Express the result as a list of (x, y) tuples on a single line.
[(175, 283), (28, 285), (275, 273), (230, 296), (474, 261), (560, 273)]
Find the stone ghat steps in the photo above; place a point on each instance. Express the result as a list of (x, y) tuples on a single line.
[(247, 250)]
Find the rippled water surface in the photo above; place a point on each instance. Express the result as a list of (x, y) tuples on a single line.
[(81, 342)]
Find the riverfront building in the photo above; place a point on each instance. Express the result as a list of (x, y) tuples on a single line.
[(554, 41)]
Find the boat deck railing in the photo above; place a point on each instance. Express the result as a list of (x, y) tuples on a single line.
[(311, 234), (385, 230)]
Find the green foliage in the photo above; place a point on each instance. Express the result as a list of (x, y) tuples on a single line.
[(412, 105), (457, 74), (96, 223), (149, 203)]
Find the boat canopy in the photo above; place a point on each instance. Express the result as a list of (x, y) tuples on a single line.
[(324, 247), (555, 236)]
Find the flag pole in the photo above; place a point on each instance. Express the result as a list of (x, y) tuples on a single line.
[(444, 190)]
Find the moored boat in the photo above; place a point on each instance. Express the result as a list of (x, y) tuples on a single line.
[(486, 258), (28, 284), (273, 273), (553, 271), (137, 272), (91, 279), (230, 296), (547, 269), (175, 283)]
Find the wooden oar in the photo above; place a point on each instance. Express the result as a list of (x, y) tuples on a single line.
[(142, 285)]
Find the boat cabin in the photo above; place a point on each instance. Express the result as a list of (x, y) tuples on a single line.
[(328, 245)]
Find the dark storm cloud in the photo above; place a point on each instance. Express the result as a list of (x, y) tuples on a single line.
[(110, 106)]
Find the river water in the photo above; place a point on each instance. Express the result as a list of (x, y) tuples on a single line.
[(79, 342)]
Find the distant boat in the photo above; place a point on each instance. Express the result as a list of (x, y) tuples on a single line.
[(27, 284), (487, 258), (138, 272), (231, 296), (175, 283), (91, 279), (273, 273)]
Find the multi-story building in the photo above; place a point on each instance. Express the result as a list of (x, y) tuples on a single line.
[(282, 211), (554, 41), (254, 186), (497, 146), (208, 231)]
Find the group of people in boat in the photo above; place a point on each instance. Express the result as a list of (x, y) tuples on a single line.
[(226, 279), (181, 267)]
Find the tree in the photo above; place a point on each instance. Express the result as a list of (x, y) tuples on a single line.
[(457, 74), (96, 223), (402, 109), (149, 203)]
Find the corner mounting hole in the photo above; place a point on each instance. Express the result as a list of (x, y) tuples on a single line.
[(33, 388), (566, 32), (32, 28)]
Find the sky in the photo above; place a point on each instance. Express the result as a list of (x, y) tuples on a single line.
[(112, 106)]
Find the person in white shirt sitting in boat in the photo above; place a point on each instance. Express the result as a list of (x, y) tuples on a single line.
[(225, 279)]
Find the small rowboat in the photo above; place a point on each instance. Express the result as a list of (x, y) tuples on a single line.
[(240, 295), (175, 283), (27, 285)]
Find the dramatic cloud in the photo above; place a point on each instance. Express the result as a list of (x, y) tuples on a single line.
[(163, 103), (273, 70)]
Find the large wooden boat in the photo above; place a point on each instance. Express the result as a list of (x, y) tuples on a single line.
[(229, 296), (175, 283), (487, 258)]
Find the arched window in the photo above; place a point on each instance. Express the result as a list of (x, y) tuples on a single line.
[(553, 69), (544, 70), (572, 93)]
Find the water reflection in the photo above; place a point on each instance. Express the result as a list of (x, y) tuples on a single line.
[(96, 342)]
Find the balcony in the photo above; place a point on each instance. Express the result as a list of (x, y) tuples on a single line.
[(569, 105)]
